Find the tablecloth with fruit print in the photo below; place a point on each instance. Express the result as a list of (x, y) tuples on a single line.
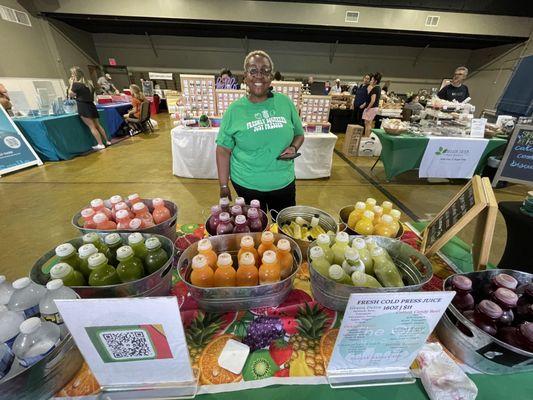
[(289, 344)]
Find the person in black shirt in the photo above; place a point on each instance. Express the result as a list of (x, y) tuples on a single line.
[(455, 90), (83, 91), (371, 109), (361, 98)]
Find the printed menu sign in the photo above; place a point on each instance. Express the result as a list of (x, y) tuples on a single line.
[(381, 335), (517, 162)]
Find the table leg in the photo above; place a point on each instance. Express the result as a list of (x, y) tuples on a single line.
[(373, 166)]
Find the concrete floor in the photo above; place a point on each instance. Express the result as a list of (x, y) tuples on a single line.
[(38, 203)]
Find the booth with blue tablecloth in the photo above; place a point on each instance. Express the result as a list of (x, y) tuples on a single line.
[(58, 137), (113, 116)]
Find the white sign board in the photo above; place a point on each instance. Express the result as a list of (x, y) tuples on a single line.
[(477, 127), (451, 157), (160, 75), (130, 342), (381, 335)]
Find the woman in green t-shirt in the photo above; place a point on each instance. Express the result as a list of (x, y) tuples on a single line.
[(258, 136)]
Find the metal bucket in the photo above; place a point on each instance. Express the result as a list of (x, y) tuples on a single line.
[(335, 295), (237, 298), (474, 346), (344, 214), (156, 284), (326, 221), (265, 220), (46, 377), (167, 228)]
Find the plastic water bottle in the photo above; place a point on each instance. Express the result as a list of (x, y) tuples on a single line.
[(47, 306), (26, 297), (36, 340), (6, 289), (9, 325), (6, 360)]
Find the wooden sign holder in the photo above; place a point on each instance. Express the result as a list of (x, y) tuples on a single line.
[(484, 207)]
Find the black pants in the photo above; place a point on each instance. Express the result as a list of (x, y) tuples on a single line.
[(275, 200), (357, 116)]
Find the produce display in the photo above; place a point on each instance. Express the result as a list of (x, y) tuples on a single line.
[(302, 229), (262, 265), (368, 218), (239, 218), (106, 262), (123, 213), (502, 309), (361, 263)]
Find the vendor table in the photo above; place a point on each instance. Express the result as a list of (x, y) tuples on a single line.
[(113, 116), (517, 254), (339, 120), (193, 154), (404, 152), (58, 137)]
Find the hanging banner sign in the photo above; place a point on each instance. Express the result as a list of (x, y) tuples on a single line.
[(160, 75)]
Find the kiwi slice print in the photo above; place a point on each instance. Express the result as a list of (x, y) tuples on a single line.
[(259, 365)]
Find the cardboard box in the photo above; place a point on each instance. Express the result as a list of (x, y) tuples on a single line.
[(352, 139)]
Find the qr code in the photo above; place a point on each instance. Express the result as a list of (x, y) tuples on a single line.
[(126, 345)]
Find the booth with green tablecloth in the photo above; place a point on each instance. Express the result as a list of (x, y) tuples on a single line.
[(404, 152)]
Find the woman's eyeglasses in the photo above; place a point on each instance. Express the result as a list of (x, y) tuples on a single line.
[(259, 72)]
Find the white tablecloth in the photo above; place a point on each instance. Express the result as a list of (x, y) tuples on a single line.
[(193, 154)]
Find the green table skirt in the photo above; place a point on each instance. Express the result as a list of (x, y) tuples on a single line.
[(403, 153)]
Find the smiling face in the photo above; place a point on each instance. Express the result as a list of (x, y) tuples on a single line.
[(258, 76), (366, 79)]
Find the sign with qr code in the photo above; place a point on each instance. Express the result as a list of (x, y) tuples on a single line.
[(130, 342)]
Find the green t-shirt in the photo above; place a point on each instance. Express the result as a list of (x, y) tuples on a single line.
[(256, 134)]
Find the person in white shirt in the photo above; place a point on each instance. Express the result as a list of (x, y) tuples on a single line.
[(336, 89)]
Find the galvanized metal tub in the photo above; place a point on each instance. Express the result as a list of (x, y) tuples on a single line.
[(46, 377), (344, 214), (416, 273), (167, 228), (156, 284), (237, 298), (326, 221), (265, 220), (474, 346)]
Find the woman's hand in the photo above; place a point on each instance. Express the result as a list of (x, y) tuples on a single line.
[(225, 192), (288, 151)]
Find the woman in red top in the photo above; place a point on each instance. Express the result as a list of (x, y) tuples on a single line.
[(137, 97)]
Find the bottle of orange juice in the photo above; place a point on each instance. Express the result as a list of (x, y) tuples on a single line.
[(206, 249), (285, 257), (396, 214), (270, 270), (267, 243), (247, 273), (356, 214), (385, 227), (365, 226), (370, 203), (378, 212), (387, 207), (248, 246), (202, 274), (225, 273)]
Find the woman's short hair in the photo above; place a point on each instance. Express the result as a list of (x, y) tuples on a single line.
[(376, 76), (226, 71), (260, 53)]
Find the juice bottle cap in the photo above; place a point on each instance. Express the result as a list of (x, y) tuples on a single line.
[(87, 212), (359, 243), (269, 257), (65, 250), (152, 243), (247, 241), (115, 199), (95, 260), (387, 219), (386, 204), (360, 205), (240, 201), (30, 325), (335, 271), (526, 329), (133, 196), (216, 209), (255, 204), (284, 245), (316, 252), (506, 281), (240, 219), (100, 217), (54, 284), (323, 238), (491, 309), (87, 249), (378, 210), (21, 283), (97, 203), (377, 252), (60, 270), (396, 214), (342, 237), (122, 214), (351, 254), (140, 206), (158, 201), (204, 245), (462, 282), (236, 209), (247, 258), (135, 238), (199, 261), (224, 201), (267, 236), (368, 215), (371, 201), (2, 279), (91, 237), (369, 240), (121, 206), (224, 217), (253, 213), (506, 296), (135, 223), (224, 259), (124, 252)]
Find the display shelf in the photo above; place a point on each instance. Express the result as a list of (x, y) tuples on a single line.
[(291, 89), (227, 96), (199, 94), (315, 108)]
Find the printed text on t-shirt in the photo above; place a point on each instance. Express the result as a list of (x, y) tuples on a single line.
[(265, 124)]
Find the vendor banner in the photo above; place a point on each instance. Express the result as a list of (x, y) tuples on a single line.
[(451, 157), (160, 75)]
